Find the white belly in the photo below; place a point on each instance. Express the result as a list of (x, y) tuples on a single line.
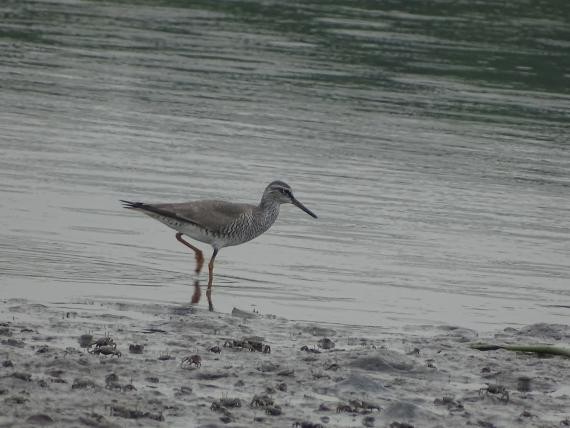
[(188, 229)]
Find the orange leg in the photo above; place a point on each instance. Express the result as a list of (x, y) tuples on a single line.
[(199, 263), (211, 279), (211, 268)]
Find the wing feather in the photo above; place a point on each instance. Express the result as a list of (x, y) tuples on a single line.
[(210, 214)]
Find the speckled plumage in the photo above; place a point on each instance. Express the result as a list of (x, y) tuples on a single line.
[(220, 223)]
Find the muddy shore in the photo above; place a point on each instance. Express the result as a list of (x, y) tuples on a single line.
[(117, 364)]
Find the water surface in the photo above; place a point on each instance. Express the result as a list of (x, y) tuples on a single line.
[(431, 140)]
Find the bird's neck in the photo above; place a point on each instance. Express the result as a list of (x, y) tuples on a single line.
[(268, 209)]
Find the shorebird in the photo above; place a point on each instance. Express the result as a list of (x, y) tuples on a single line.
[(220, 223)]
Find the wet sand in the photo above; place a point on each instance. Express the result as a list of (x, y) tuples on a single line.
[(260, 370)]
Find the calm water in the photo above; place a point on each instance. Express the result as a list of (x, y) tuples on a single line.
[(430, 138)]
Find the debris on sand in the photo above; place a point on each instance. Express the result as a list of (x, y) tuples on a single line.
[(305, 379), (125, 412), (135, 348)]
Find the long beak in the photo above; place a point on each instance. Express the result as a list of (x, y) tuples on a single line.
[(303, 207)]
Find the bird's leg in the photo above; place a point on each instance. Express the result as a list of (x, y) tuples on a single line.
[(211, 279), (211, 268), (199, 263)]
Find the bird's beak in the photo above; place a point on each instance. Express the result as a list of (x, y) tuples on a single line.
[(303, 207)]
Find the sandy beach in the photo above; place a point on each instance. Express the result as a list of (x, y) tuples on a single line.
[(116, 364)]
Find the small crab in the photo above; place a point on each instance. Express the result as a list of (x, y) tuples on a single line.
[(496, 389), (312, 350), (357, 406), (256, 345), (105, 341), (111, 378), (344, 408), (106, 350), (261, 401), (253, 345), (233, 343), (222, 404), (364, 405), (449, 402), (215, 349), (192, 359), (230, 402)]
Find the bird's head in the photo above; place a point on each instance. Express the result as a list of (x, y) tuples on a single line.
[(282, 193)]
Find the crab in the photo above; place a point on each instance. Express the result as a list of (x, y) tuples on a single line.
[(496, 389), (451, 404), (106, 350), (357, 406), (364, 405), (105, 341), (192, 359), (256, 345), (344, 408), (222, 404), (261, 401), (312, 350), (215, 349), (234, 343), (230, 402)]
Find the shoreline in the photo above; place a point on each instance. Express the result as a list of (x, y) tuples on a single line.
[(332, 375)]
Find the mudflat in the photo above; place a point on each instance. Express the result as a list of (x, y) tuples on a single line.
[(109, 363)]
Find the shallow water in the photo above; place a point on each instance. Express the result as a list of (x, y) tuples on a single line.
[(431, 140)]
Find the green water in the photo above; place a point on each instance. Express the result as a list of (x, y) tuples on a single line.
[(429, 137)]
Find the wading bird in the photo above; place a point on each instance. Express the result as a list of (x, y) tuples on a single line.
[(220, 223)]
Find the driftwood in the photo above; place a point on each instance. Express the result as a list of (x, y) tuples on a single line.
[(537, 349)]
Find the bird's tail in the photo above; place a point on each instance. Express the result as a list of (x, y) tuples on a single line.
[(132, 205)]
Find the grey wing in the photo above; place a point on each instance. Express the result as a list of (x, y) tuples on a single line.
[(210, 214)]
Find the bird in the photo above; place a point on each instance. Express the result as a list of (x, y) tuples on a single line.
[(219, 223)]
